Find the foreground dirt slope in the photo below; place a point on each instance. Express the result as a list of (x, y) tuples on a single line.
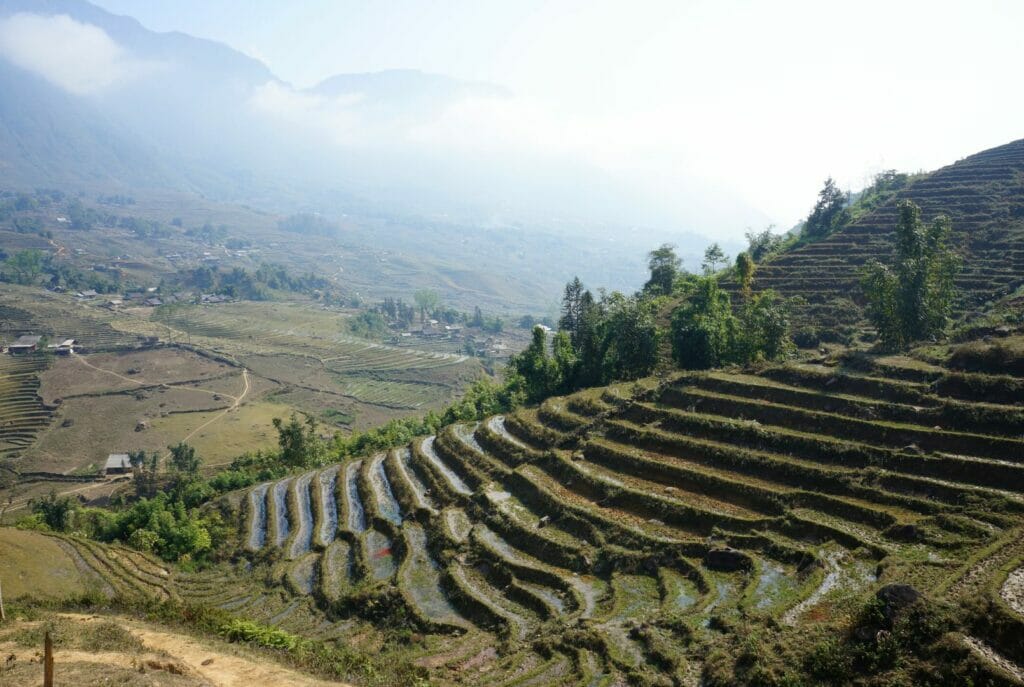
[(162, 658)]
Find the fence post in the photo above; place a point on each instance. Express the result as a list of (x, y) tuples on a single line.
[(48, 661), (2, 616)]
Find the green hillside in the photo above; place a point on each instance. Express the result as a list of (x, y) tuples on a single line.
[(983, 195)]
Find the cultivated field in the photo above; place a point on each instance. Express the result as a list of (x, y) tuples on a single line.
[(214, 376)]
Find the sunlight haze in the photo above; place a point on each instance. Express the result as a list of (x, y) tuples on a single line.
[(766, 99)]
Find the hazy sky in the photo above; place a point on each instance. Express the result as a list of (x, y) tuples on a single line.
[(764, 98)]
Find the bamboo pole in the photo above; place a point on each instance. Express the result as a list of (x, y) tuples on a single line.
[(2, 616), (48, 661)]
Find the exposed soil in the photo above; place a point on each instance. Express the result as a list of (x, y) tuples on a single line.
[(168, 658)]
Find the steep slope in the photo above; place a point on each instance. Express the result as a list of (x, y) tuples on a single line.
[(49, 138), (708, 498), (982, 194)]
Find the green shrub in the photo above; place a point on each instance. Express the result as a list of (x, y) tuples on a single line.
[(239, 630)]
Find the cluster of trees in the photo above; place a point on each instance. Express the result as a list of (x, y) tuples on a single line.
[(706, 331), (368, 323), (912, 299), (397, 310), (492, 324), (308, 224), (164, 519), (144, 228), (208, 234), (427, 304), (32, 266), (763, 244), (24, 267), (255, 286), (616, 337), (599, 340)]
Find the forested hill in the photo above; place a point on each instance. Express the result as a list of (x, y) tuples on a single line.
[(983, 195)]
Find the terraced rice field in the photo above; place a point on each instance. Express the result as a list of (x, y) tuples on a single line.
[(776, 495), (22, 412), (605, 536), (26, 310), (980, 194)]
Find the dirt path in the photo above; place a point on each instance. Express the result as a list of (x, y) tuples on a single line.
[(61, 250), (141, 382), (237, 402), (208, 661)]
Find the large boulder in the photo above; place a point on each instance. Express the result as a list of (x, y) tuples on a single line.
[(904, 532), (727, 560), (895, 598)]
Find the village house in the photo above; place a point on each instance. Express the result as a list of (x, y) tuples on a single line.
[(25, 344), (65, 347), (117, 464)]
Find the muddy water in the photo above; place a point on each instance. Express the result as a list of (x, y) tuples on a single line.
[(422, 580), (636, 596), (454, 480), (497, 425), (303, 574), (841, 572), (592, 590), (550, 596), (458, 524), (387, 504), (721, 587), (303, 541), (681, 594), (772, 584), (338, 564), (465, 434), (379, 555), (258, 504), (418, 487), (329, 503), (356, 514), (281, 503)]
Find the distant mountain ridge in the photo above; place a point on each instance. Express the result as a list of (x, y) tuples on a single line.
[(185, 113)]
